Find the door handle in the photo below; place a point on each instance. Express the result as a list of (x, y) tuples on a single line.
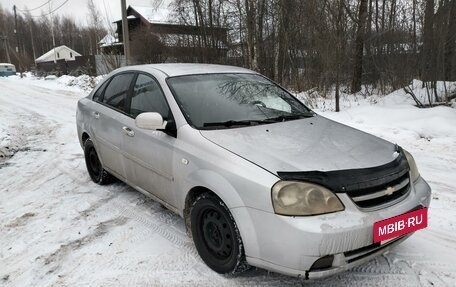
[(129, 132), (96, 115)]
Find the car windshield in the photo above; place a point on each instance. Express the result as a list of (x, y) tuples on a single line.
[(217, 101)]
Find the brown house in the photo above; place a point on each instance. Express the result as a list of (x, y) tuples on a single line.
[(156, 38)]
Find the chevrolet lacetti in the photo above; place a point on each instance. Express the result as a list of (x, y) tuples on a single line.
[(260, 179)]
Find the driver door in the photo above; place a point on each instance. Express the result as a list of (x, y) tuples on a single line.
[(149, 154)]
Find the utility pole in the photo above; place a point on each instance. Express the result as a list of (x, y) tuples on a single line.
[(17, 40), (52, 32), (33, 44), (126, 38), (15, 29)]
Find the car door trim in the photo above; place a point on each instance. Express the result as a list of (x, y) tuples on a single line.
[(107, 143), (146, 165)]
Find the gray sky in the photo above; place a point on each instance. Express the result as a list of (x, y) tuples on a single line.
[(75, 8)]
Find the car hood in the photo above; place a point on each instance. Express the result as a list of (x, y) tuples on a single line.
[(311, 144)]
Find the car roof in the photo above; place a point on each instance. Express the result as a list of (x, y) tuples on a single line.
[(173, 70)]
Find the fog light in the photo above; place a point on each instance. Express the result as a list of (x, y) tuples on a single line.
[(323, 263)]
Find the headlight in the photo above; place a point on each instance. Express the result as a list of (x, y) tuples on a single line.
[(414, 174), (301, 198)]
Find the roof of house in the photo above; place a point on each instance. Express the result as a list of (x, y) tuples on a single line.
[(162, 13), (157, 15), (109, 40), (49, 56)]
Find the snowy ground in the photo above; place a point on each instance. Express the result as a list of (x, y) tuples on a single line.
[(57, 228)]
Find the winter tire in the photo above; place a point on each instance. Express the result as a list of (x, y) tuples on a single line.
[(96, 171), (216, 235)]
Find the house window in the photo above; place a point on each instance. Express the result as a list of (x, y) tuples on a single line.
[(58, 55), (71, 54)]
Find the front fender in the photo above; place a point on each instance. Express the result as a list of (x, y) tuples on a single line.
[(214, 182)]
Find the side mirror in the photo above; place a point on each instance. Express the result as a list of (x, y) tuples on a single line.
[(150, 121)]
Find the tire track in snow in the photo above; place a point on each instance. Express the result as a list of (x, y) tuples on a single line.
[(146, 228), (158, 223)]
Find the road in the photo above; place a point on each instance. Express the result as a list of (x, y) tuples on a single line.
[(58, 228)]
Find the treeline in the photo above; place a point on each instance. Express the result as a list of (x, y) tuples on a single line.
[(302, 44), (320, 44), (34, 35)]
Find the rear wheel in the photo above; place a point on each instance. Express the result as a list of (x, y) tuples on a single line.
[(216, 235), (96, 171)]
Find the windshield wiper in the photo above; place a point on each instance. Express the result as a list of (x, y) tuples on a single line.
[(231, 123), (284, 118)]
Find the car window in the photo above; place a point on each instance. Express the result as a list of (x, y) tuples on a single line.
[(115, 94), (97, 95), (227, 100), (148, 97)]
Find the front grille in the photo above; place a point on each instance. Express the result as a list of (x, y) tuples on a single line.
[(354, 255), (383, 193)]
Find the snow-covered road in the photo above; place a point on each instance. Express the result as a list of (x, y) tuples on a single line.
[(57, 228)]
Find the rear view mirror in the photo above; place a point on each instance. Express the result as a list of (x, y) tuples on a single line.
[(150, 121)]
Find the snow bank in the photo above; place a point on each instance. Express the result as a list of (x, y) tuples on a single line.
[(368, 96), (6, 148), (84, 82), (50, 78), (432, 123)]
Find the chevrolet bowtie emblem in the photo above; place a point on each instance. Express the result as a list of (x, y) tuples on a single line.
[(389, 190)]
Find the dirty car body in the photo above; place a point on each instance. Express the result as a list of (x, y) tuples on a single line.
[(301, 192)]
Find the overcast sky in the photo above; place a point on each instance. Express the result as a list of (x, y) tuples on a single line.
[(75, 8)]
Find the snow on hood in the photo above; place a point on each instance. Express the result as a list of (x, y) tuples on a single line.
[(304, 145)]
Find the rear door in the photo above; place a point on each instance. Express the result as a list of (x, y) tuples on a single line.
[(149, 154), (108, 116)]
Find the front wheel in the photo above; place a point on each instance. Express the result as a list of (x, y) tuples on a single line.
[(96, 171), (216, 235)]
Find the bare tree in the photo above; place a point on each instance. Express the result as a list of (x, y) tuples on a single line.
[(428, 41), (359, 46), (450, 44), (96, 29)]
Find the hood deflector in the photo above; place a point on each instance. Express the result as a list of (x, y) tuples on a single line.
[(353, 180)]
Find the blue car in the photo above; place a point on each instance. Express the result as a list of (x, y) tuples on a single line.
[(7, 69)]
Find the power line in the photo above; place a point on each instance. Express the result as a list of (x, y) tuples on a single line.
[(52, 10), (28, 10)]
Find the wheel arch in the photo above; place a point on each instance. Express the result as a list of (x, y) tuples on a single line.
[(85, 136), (190, 198), (202, 181)]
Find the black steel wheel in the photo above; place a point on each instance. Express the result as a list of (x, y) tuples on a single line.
[(96, 171), (216, 235)]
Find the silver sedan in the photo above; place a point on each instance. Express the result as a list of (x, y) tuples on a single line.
[(260, 179)]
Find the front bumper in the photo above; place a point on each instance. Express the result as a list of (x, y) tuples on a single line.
[(292, 245), (347, 260)]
